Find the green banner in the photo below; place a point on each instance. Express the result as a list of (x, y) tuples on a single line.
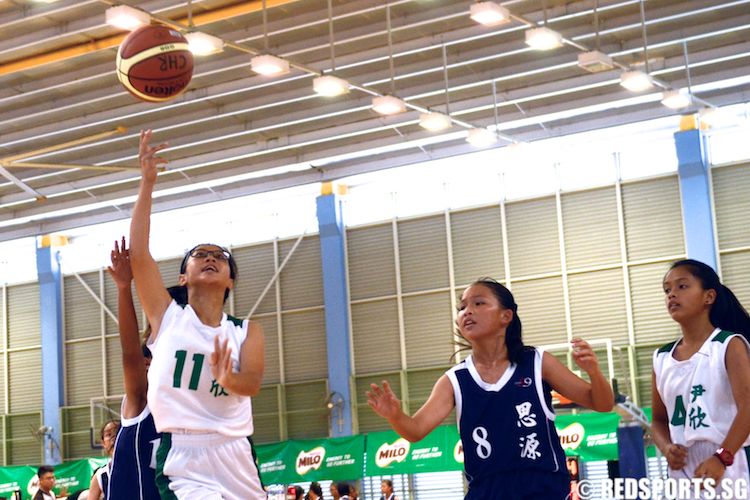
[(591, 436), (70, 475), (336, 459), (387, 453)]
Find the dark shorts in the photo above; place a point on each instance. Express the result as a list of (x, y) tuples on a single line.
[(521, 485)]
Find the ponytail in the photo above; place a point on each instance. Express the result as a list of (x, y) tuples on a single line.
[(727, 313)]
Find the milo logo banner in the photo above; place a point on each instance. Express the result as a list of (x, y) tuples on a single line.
[(336, 459), (591, 436), (72, 476), (388, 453)]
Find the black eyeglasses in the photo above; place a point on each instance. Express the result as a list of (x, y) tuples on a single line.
[(216, 254)]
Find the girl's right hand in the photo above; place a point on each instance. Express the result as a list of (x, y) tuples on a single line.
[(676, 455), (383, 401), (146, 155)]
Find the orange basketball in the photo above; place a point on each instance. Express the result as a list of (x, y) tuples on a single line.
[(154, 63)]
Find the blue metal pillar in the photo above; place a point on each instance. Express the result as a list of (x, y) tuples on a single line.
[(700, 234), (631, 451), (51, 321), (332, 252)]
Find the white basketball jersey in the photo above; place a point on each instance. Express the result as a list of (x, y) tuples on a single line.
[(182, 393), (696, 392)]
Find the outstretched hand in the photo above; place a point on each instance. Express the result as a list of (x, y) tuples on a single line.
[(147, 156), (221, 361), (383, 401), (120, 268)]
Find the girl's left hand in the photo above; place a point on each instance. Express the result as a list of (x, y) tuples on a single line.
[(221, 361), (711, 468), (584, 356)]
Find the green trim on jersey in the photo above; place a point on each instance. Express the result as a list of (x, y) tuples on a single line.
[(162, 481), (667, 347), (722, 336), (237, 322)]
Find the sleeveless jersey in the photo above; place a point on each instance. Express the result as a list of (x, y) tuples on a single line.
[(134, 461), (182, 393), (507, 426), (696, 392), (102, 477)]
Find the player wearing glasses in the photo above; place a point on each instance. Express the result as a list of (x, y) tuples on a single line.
[(206, 365)]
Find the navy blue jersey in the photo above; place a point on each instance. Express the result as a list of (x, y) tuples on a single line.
[(134, 461), (507, 428)]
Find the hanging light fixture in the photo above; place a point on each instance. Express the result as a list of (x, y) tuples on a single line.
[(389, 104), (489, 13), (675, 99), (634, 80), (434, 121), (543, 38), (126, 17), (268, 64), (329, 85), (203, 44), (595, 61), (481, 137)]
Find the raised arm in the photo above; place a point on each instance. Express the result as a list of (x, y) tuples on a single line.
[(247, 381), (148, 282), (440, 403), (596, 395), (133, 366)]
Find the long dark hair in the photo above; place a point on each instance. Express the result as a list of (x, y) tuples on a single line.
[(513, 334), (233, 271), (726, 312)]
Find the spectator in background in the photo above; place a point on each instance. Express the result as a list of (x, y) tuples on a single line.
[(335, 491), (294, 492), (46, 476), (386, 488), (344, 490), (315, 492), (353, 492)]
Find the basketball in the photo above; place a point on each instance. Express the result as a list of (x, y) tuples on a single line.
[(154, 63)]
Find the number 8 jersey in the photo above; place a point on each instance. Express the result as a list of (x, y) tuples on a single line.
[(182, 393), (509, 425)]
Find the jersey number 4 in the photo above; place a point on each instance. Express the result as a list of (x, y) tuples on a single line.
[(195, 374), (678, 417)]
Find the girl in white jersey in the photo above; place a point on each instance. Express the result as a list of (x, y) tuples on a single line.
[(205, 365), (701, 382)]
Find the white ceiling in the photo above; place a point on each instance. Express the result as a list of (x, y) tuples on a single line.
[(235, 133)]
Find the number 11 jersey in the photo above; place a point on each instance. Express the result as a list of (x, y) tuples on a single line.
[(182, 393)]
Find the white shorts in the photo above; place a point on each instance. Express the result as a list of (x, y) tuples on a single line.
[(207, 467), (700, 451)]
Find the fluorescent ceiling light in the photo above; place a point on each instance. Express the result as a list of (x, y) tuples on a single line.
[(675, 99), (595, 61), (434, 121), (126, 17), (388, 105), (489, 13), (269, 65), (481, 137), (329, 85), (203, 44), (636, 81), (543, 38)]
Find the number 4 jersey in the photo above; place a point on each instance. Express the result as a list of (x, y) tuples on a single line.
[(182, 393), (696, 391), (507, 426)]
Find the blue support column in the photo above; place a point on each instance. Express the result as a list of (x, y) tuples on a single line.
[(631, 450), (700, 234), (332, 251), (50, 310)]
